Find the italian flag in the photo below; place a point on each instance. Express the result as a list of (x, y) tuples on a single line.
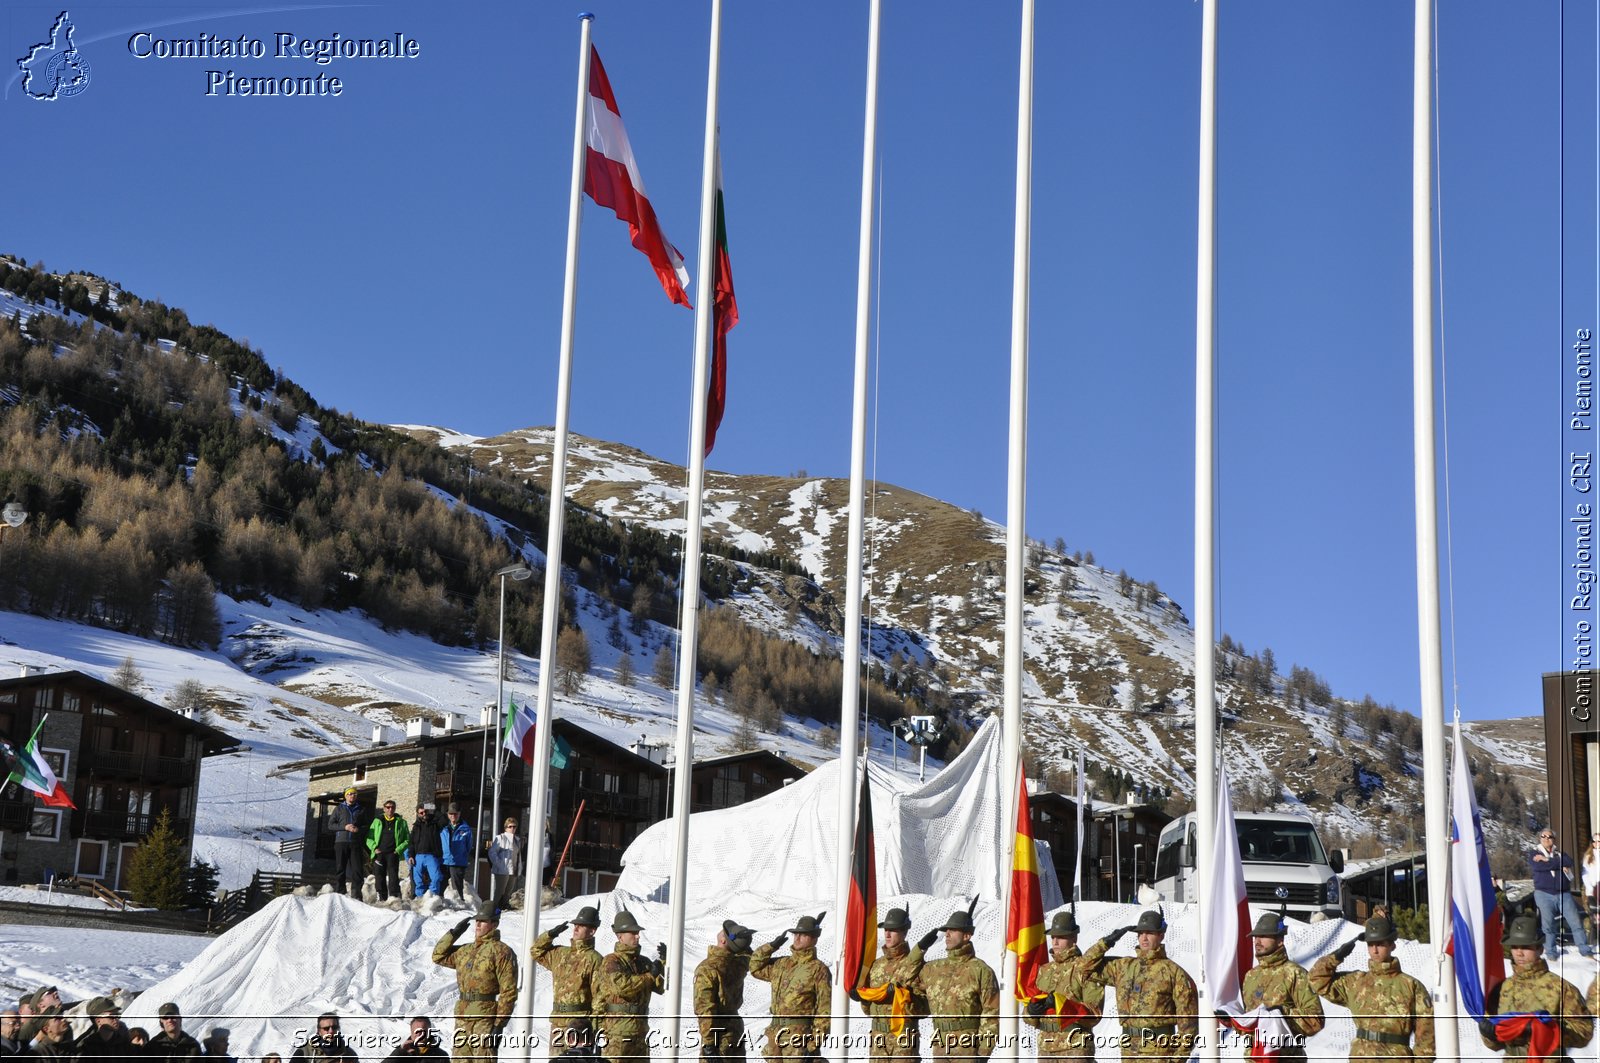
[(519, 733), (33, 772)]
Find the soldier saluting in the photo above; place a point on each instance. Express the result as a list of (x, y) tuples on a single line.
[(1068, 974), (1155, 997), (1530, 990), (1392, 1010), (622, 989), (572, 970), (801, 992), (486, 982), (963, 996), (719, 992)]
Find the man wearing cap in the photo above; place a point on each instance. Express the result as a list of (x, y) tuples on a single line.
[(963, 996), (486, 983), (1552, 893), (455, 838), (349, 824), (896, 967), (1279, 984), (326, 1044), (1532, 988), (427, 873), (1156, 998), (1393, 1011), (106, 1036), (1067, 974), (622, 989), (50, 1035), (388, 842), (719, 992), (172, 1042), (802, 992), (572, 970)]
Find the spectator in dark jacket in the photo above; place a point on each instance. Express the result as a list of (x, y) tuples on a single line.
[(216, 1044), (53, 1033), (1552, 892), (172, 1043), (424, 1041), (107, 1036), (349, 825), (426, 849), (456, 839), (326, 1045), (388, 842), (11, 1034)]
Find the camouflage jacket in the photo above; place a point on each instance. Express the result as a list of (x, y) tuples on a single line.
[(1382, 999), (1593, 997), (572, 969), (802, 989), (1152, 992), (901, 966), (1274, 982), (1068, 973), (961, 989), (486, 975), (719, 988), (624, 981), (1534, 988)]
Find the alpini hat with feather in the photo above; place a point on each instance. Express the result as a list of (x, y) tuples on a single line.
[(895, 919), (587, 916), (807, 924), (1150, 922), (1270, 925), (624, 923), (959, 920), (1524, 933), (1380, 928), (1064, 925)]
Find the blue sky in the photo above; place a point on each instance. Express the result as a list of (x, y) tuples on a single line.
[(398, 251)]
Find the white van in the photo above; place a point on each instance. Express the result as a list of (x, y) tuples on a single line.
[(1280, 851)]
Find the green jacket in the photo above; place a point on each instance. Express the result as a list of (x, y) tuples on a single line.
[(402, 835)]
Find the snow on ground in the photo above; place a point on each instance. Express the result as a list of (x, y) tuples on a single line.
[(44, 895), (86, 963)]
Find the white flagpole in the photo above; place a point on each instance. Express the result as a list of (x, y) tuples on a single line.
[(1016, 504), (689, 597), (532, 890), (1077, 862), (850, 647), (1205, 602), (1435, 772)]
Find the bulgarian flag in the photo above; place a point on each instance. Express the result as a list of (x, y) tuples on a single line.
[(860, 935), (724, 315), (1025, 915), (33, 772), (611, 179)]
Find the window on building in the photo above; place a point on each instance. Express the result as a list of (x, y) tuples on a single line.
[(361, 772), (45, 825), (70, 702), (44, 698)]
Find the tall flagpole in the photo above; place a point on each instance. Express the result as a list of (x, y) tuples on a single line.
[(1016, 504), (532, 891), (850, 648), (689, 599), (1205, 502), (1435, 772)]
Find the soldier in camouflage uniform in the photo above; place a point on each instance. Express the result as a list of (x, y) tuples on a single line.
[(486, 983), (1156, 998), (1532, 988), (1069, 975), (1276, 982), (897, 965), (622, 991), (802, 993), (572, 969), (963, 996), (719, 993), (1392, 1010), (1592, 1000)]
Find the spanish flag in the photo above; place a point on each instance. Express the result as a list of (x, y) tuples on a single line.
[(1025, 916), (860, 933)]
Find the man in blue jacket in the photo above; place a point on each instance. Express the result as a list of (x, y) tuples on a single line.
[(349, 825), (1552, 892), (456, 839)]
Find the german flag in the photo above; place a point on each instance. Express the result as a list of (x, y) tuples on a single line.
[(861, 914), (1025, 915)]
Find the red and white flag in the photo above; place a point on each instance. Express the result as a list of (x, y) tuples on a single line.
[(611, 179), (1228, 954)]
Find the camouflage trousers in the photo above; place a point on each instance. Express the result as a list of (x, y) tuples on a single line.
[(904, 1048), (1075, 1042), (724, 1040), (1367, 1050), (567, 1033), (474, 1039), (792, 1042), (1153, 1048), (960, 1044), (626, 1039)]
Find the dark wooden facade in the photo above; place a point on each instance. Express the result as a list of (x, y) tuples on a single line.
[(123, 760), (1572, 755)]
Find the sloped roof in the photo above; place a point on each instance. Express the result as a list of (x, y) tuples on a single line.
[(213, 740)]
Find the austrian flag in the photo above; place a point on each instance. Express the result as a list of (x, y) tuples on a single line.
[(611, 179)]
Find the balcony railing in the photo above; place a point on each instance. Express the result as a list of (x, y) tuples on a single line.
[(121, 826), (14, 815), (639, 806), (595, 856), (144, 766)]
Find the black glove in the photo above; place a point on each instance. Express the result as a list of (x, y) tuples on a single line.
[(1038, 1006), (925, 942), (1343, 952), (661, 952), (1223, 1017), (1487, 1028), (461, 927), (777, 942), (559, 929), (853, 995), (1115, 936)]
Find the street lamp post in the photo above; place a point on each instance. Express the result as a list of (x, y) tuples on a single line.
[(1136, 847), (519, 572), (1387, 875), (13, 514)]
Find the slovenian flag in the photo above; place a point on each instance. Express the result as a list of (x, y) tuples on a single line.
[(1227, 942), (33, 772), (1475, 918), (611, 179)]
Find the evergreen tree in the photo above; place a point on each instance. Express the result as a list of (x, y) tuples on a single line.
[(155, 871), (200, 885)]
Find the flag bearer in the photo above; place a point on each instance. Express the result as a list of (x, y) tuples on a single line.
[(1068, 974), (1530, 990), (896, 972), (1392, 1010), (1277, 983), (1155, 997)]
